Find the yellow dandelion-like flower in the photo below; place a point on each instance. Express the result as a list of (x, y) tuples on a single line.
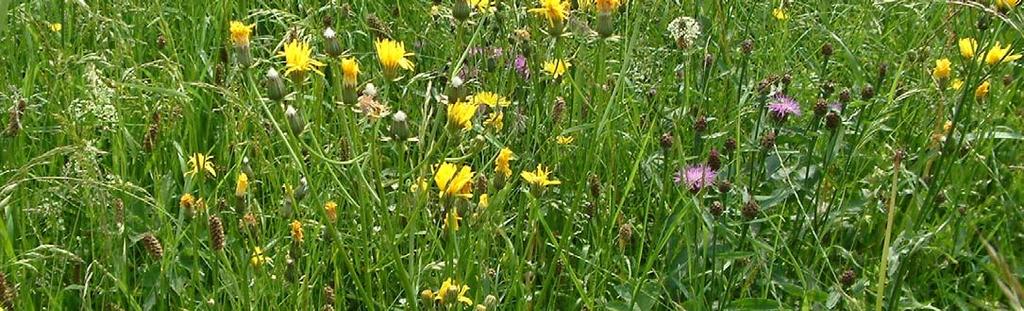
[(485, 201), (780, 14), (240, 33), (420, 186), (540, 177), (241, 185), (258, 259), (460, 115), (998, 54), (967, 46), (608, 6), (331, 209), (392, 55), (564, 140), (557, 67), (957, 84), (297, 231), (199, 163), (555, 11), (490, 99), (452, 292), (350, 71), (481, 5), (56, 27), (454, 181), (982, 90), (1006, 4), (187, 201), (452, 220), (496, 121), (299, 58), (942, 68), (501, 165)]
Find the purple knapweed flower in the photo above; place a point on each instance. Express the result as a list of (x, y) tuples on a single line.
[(696, 177), (783, 106), (519, 64)]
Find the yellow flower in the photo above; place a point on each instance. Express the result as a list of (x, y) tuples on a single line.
[(607, 6), (460, 115), (942, 69), (539, 177), (331, 209), (257, 259), (489, 99), (557, 67), (350, 71), (982, 90), (296, 231), (1006, 4), (452, 220), (481, 5), (496, 120), (240, 33), (392, 55), (298, 58), (241, 185), (998, 54), (564, 140), (780, 14), (967, 47), (187, 201), (957, 84), (454, 181), (485, 201), (56, 27), (501, 163), (451, 292), (200, 162), (419, 186), (555, 11)]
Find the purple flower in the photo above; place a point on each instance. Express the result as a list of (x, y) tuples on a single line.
[(696, 177), (783, 106), (519, 64), (836, 106)]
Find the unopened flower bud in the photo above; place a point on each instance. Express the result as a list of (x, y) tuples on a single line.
[(294, 120), (605, 25), (867, 93), (724, 186), (331, 43), (275, 85), (461, 10), (747, 46), (716, 209), (400, 126), (456, 90), (826, 50), (750, 210), (491, 302), (714, 159), (667, 140), (243, 55), (832, 120), (700, 125), (820, 108), (844, 95), (730, 145), (768, 142)]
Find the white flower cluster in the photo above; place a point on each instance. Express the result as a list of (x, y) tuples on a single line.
[(684, 30)]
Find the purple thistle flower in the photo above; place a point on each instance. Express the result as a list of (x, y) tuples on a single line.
[(519, 64), (836, 106), (696, 177), (783, 106)]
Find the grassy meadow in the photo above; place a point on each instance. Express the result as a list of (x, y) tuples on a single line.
[(511, 155)]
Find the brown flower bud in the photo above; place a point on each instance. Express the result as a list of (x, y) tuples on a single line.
[(152, 246), (750, 210), (216, 233), (716, 209)]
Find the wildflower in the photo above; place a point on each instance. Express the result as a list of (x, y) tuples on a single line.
[(56, 27), (684, 30), (696, 177), (241, 185), (564, 140), (942, 69), (400, 126), (392, 55), (454, 181), (258, 259), (299, 60), (452, 220), (490, 99), (200, 162), (555, 11), (783, 106), (274, 84), (370, 107), (750, 209), (957, 84), (240, 33), (350, 72), (982, 91), (460, 115), (331, 209), (485, 201), (295, 122), (187, 201), (496, 121), (331, 44), (521, 67), (607, 6), (420, 186), (998, 54), (1006, 5), (557, 67), (481, 5), (152, 245), (967, 47), (450, 292), (296, 231), (780, 14), (501, 165), (216, 233), (539, 179)]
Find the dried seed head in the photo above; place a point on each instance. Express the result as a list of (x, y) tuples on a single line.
[(625, 235), (557, 110), (6, 293), (595, 186), (149, 141), (747, 46), (716, 209), (153, 246), (161, 42), (709, 60), (14, 122), (667, 140), (750, 210), (848, 278), (328, 295), (216, 233), (491, 302), (867, 92)]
